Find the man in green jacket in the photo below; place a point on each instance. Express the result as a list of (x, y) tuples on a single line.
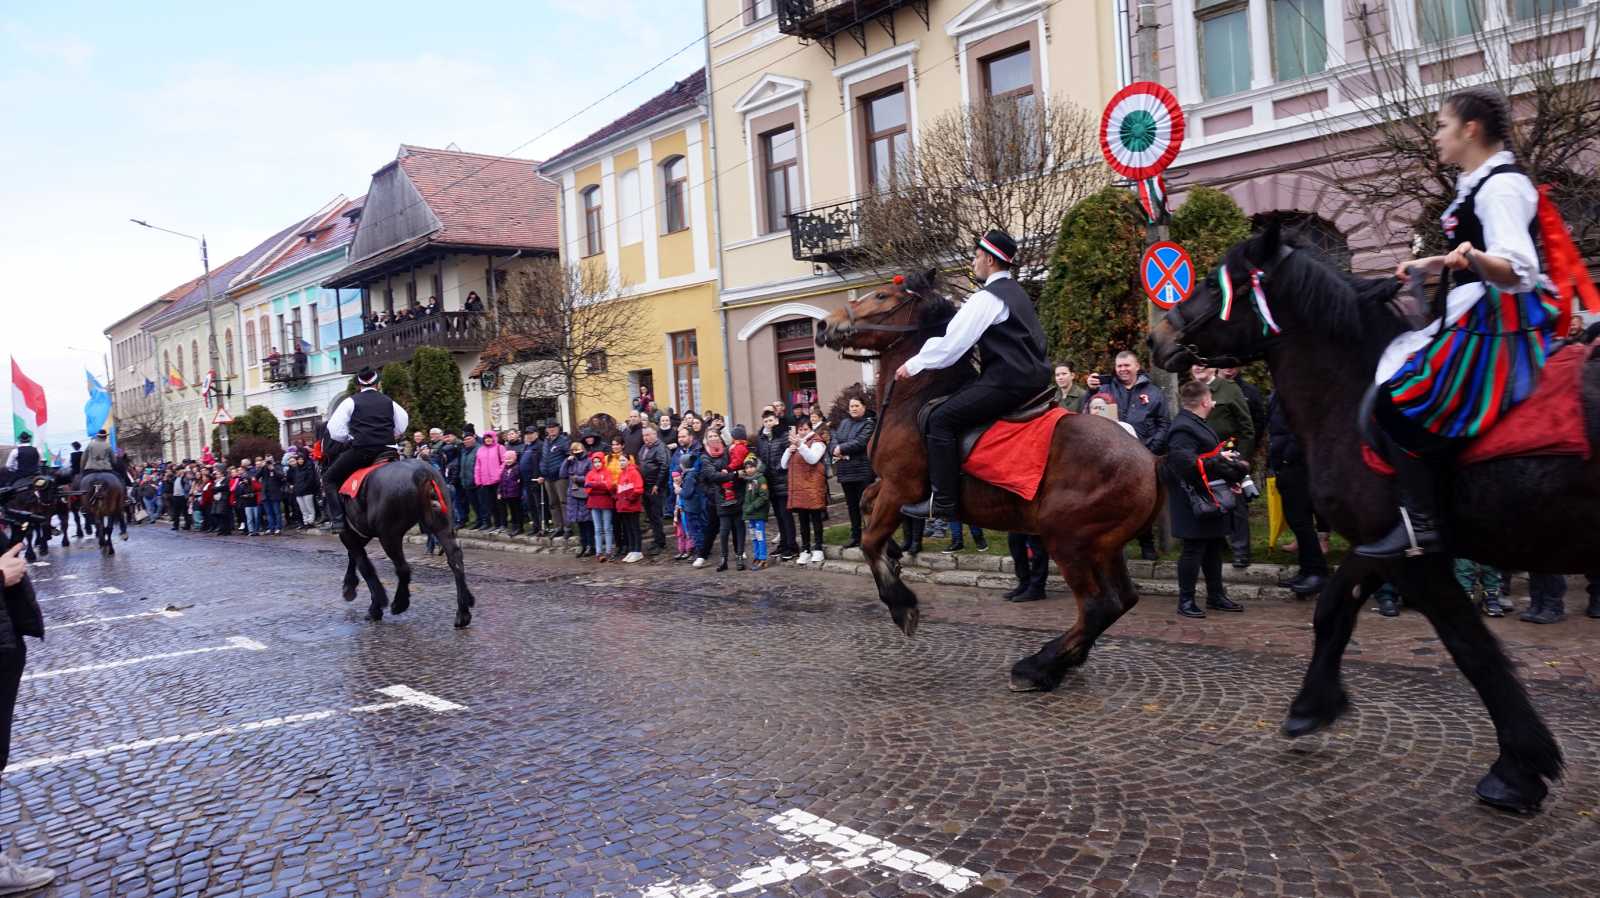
[(1231, 420)]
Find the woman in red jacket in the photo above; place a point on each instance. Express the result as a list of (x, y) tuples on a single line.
[(602, 505), (630, 502)]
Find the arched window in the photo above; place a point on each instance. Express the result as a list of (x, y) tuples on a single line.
[(630, 229), (188, 450), (227, 345), (675, 192), (250, 342), (166, 368), (181, 376), (194, 356), (1311, 230), (592, 223), (265, 330)]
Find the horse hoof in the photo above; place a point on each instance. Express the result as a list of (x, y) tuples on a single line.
[(1028, 676), (399, 605), (906, 619), (1497, 793), (375, 614), (462, 620), (349, 593), (1298, 725)]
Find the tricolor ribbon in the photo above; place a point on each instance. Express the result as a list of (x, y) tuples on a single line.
[(1261, 303), (1227, 291), (1153, 197)]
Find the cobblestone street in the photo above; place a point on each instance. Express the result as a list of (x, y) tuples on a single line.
[(207, 717)]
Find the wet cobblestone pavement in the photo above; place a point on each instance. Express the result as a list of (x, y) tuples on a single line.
[(657, 731)]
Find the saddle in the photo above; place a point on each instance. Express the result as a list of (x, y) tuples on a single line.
[(1022, 414), (352, 484)]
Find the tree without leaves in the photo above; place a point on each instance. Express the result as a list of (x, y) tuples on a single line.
[(1020, 166), (1391, 167), (142, 428), (577, 320)]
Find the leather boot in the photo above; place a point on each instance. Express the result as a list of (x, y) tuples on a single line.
[(1188, 608), (944, 472), (1416, 532), (1221, 602), (336, 516)]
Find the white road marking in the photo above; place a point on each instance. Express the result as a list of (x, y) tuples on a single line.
[(38, 564), (235, 643), (405, 695), (102, 591), (62, 577), (845, 848), (114, 618)]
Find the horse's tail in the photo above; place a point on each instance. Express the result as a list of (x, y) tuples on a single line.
[(1161, 494), (431, 495)]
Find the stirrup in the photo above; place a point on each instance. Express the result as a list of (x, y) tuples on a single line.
[(1415, 549)]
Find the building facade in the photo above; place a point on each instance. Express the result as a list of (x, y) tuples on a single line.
[(1280, 94), (636, 200), (134, 384), (813, 100), (291, 326), (191, 390), (445, 225)]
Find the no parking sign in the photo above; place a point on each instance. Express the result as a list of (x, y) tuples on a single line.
[(1167, 274)]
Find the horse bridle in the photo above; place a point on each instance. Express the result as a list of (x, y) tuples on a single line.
[(854, 324), (1175, 317)]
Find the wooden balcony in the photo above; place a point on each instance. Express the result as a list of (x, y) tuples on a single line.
[(455, 331)]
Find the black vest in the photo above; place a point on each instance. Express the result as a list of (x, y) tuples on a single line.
[(1011, 353), (372, 420), (27, 461), (1464, 225)]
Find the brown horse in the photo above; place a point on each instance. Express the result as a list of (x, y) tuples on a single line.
[(1100, 486), (104, 501)]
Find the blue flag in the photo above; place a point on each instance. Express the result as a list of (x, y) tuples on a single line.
[(149, 387), (97, 411)]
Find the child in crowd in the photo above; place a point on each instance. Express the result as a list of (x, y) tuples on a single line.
[(757, 503), (602, 505), (690, 512), (511, 495), (630, 502)]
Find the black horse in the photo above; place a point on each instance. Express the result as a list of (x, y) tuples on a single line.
[(1532, 513), (402, 494), (32, 501)]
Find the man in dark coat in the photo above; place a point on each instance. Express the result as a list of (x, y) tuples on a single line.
[(633, 435), (1193, 450), (1286, 460), (1233, 424), (530, 454), (24, 460), (21, 618), (556, 447), (771, 440), (1000, 321), (655, 467)]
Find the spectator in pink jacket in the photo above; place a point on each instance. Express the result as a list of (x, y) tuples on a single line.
[(486, 470)]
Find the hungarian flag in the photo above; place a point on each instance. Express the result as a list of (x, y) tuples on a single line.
[(28, 411)]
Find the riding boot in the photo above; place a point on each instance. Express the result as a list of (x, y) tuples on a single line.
[(944, 470), (335, 516), (1416, 533)]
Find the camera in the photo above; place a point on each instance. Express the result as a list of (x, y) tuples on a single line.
[(1248, 488)]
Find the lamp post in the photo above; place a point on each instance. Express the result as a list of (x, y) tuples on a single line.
[(211, 322)]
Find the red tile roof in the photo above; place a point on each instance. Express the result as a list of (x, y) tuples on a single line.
[(334, 230), (682, 95), (484, 200)]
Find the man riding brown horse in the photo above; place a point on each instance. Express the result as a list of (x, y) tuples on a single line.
[(1001, 322)]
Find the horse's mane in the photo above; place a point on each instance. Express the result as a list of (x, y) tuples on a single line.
[(1325, 296), (936, 310)]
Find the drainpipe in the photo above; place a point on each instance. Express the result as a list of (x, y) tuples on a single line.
[(722, 310)]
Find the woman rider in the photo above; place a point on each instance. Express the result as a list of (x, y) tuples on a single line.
[(1453, 379)]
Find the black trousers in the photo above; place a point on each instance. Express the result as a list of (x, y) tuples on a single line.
[(652, 516), (1031, 571), (1201, 555), (349, 461), (628, 539), (1294, 485), (785, 517), (973, 405), (1239, 529), (12, 661), (178, 506), (810, 519), (852, 502), (730, 528), (708, 533)]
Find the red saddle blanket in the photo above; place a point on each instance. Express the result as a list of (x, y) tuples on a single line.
[(352, 484), (1550, 422), (1012, 456)]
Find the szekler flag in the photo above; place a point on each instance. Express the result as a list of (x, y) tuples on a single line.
[(28, 411), (97, 411)]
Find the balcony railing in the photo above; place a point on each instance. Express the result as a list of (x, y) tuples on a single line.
[(826, 234), (823, 20), (900, 227), (455, 331), (286, 373)]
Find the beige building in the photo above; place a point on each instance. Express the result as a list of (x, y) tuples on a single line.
[(636, 199), (135, 380), (813, 101)]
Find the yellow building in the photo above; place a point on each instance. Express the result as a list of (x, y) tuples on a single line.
[(813, 100), (636, 199)]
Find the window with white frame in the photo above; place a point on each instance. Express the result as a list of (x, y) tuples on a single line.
[(675, 193), (887, 136), (780, 159), (756, 10), (1224, 27), (1299, 39), (593, 244), (1527, 10), (1441, 20), (629, 228)]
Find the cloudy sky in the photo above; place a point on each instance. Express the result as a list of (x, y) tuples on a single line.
[(237, 120)]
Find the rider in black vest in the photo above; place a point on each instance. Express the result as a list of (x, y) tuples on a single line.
[(1001, 322), (24, 460), (369, 422)]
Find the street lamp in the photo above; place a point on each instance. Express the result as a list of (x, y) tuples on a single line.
[(211, 322)]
